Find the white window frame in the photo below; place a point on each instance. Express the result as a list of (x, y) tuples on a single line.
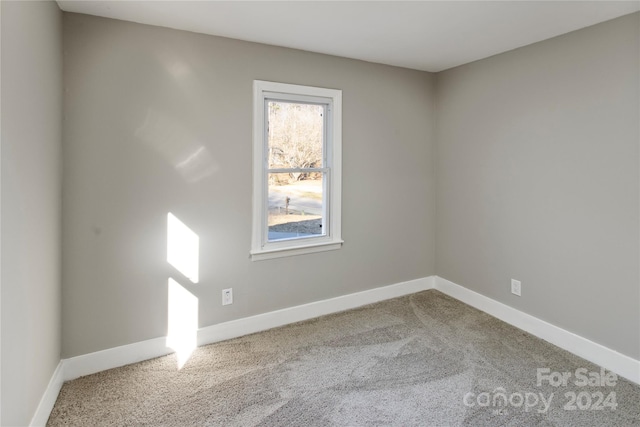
[(261, 247)]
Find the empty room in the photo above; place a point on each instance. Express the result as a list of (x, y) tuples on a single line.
[(320, 213)]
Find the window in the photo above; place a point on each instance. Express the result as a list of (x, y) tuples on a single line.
[(297, 139)]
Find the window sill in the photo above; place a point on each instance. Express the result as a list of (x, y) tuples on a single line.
[(296, 250)]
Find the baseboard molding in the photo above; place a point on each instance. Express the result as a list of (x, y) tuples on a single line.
[(49, 397), (622, 365), (124, 355), (115, 357), (273, 319)]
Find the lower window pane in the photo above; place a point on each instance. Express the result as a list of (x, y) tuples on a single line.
[(295, 205)]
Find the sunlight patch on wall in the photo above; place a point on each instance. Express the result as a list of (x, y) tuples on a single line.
[(177, 144), (182, 333), (182, 248)]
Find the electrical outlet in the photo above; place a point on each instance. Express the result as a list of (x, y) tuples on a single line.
[(227, 296), (516, 287)]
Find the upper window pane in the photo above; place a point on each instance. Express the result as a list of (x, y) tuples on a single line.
[(295, 135)]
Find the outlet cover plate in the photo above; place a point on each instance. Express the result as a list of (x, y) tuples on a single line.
[(227, 296), (516, 287)]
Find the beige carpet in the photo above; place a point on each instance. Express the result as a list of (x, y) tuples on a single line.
[(419, 360)]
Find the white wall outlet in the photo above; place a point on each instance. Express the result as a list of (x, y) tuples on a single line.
[(227, 296), (516, 287)]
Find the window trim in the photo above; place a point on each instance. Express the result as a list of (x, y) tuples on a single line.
[(261, 249)]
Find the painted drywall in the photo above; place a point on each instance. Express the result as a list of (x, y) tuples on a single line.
[(538, 180), (159, 121), (31, 204)]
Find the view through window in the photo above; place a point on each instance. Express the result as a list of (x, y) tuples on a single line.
[(296, 172)]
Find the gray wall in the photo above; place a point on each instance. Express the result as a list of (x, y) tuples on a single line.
[(538, 180), (140, 100), (31, 204)]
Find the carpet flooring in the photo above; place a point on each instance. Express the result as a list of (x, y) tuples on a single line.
[(421, 360)]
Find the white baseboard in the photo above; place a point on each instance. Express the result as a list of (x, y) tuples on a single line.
[(622, 365), (115, 357), (48, 398), (262, 322), (119, 356)]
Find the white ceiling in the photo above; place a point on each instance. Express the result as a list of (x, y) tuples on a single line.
[(424, 35)]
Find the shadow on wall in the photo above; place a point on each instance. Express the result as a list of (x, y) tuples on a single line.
[(183, 254)]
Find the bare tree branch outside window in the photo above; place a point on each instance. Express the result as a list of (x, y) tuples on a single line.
[(295, 138)]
